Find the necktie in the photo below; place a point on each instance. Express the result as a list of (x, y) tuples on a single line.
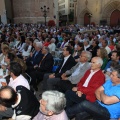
[(41, 60)]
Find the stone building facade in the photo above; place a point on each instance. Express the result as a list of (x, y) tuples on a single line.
[(106, 12), (27, 11)]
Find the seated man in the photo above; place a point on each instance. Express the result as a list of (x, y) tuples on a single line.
[(67, 63), (16, 80), (85, 89), (107, 107), (76, 73), (45, 66), (114, 57), (16, 76), (34, 58), (52, 106), (23, 101)]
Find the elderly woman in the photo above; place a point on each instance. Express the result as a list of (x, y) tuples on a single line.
[(102, 52), (52, 106)]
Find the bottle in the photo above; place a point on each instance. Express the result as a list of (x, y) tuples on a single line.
[(4, 71)]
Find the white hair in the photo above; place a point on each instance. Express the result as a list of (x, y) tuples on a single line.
[(56, 101), (38, 44), (99, 60), (88, 54)]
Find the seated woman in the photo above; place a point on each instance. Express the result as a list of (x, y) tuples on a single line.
[(78, 50), (52, 106), (5, 49), (102, 52)]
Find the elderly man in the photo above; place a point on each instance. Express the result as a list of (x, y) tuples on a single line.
[(52, 106), (85, 89), (52, 46), (23, 101), (75, 73), (45, 66), (107, 107)]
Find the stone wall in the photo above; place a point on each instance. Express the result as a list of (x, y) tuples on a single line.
[(28, 11)]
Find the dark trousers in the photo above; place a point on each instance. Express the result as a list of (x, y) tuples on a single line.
[(64, 85), (37, 77), (95, 109), (72, 98)]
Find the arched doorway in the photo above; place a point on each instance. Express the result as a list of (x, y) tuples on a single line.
[(115, 18), (86, 19)]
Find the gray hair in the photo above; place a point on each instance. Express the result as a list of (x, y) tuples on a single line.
[(117, 69), (56, 101), (53, 40), (88, 54), (38, 44), (99, 60)]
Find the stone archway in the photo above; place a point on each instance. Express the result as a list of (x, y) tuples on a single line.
[(109, 9), (84, 18)]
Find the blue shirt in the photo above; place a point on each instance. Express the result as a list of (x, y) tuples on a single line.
[(110, 90), (108, 64)]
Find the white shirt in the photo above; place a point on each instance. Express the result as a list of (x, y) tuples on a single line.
[(89, 77), (20, 80), (65, 59), (77, 71), (108, 49), (85, 47)]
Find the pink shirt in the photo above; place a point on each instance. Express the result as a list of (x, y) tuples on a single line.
[(61, 116), (20, 80)]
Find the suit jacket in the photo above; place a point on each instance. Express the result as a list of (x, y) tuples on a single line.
[(35, 60), (67, 66), (75, 79), (96, 81), (47, 64)]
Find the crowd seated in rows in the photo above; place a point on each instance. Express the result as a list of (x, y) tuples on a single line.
[(85, 61)]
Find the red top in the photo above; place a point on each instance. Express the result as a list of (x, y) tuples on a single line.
[(97, 80)]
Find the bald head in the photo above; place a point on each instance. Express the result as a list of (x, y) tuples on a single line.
[(8, 96)]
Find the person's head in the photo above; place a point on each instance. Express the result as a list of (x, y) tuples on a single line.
[(85, 56), (102, 52), (15, 69), (95, 43), (45, 50), (38, 46), (9, 57), (52, 102), (104, 43), (5, 49), (115, 56), (8, 96), (115, 75), (96, 63), (86, 43), (67, 50), (52, 40), (80, 46)]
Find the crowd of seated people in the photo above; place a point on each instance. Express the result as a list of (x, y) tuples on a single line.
[(85, 83)]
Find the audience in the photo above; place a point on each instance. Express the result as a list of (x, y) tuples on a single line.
[(71, 77), (45, 66), (36, 43), (86, 88), (107, 106), (67, 63)]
